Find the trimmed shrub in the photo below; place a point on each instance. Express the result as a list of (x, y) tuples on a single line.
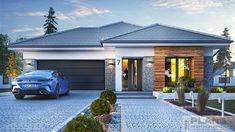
[(230, 90), (109, 96), (181, 95), (100, 107), (167, 90), (83, 123), (187, 82), (186, 90), (202, 99), (198, 89), (216, 90)]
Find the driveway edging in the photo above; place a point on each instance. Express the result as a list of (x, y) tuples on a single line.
[(61, 125)]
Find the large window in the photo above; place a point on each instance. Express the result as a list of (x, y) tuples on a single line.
[(176, 68)]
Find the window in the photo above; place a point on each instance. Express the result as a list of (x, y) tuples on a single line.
[(223, 79), (176, 68)]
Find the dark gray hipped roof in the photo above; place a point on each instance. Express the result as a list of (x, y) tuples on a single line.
[(119, 32), (78, 37), (166, 34)]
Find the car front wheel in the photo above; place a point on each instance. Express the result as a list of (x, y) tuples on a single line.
[(19, 96)]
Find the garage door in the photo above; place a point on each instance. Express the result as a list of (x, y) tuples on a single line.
[(82, 74)]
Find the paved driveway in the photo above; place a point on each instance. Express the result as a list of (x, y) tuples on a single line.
[(40, 114), (151, 115)]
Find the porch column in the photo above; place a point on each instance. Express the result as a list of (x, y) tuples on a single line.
[(118, 74)]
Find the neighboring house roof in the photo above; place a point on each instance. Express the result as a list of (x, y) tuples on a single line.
[(221, 70), (78, 37), (158, 33)]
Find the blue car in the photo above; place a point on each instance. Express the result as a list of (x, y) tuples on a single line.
[(40, 82)]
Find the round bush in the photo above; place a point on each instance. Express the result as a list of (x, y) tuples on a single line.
[(230, 90), (216, 90), (167, 90), (100, 107), (109, 96), (83, 123)]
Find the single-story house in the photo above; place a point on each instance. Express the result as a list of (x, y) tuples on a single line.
[(124, 56), (219, 76)]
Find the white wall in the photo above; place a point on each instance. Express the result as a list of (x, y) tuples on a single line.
[(69, 55), (134, 52), (216, 81)]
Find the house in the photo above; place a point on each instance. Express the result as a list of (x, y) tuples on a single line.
[(123, 56), (219, 76), (4, 82)]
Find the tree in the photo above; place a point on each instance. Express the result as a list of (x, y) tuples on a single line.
[(223, 54), (4, 53), (49, 26), (12, 69)]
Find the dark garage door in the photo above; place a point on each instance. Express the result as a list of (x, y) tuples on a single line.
[(81, 74)]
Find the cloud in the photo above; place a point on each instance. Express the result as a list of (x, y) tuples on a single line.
[(190, 6), (80, 9), (37, 31), (34, 14), (86, 11)]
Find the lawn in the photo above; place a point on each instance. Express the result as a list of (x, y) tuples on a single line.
[(228, 106), (5, 90)]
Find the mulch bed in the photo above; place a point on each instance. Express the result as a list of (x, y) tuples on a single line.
[(188, 106)]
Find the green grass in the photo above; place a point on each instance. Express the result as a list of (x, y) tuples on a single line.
[(229, 105), (5, 90)]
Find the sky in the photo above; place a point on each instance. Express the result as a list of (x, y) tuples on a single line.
[(24, 18)]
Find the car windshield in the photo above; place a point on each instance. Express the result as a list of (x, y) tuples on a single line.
[(42, 73)]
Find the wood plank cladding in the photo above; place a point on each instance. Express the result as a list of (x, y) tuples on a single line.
[(196, 53)]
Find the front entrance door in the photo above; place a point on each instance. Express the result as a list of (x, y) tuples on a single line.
[(131, 74)]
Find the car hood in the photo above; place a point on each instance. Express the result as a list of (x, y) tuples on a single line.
[(32, 77)]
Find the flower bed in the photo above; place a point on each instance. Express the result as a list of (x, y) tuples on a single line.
[(103, 115), (115, 123)]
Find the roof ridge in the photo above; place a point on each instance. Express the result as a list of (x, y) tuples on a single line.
[(51, 34), (196, 32), (146, 27), (118, 23)]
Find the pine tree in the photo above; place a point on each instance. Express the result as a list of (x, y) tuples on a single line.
[(4, 53), (224, 53), (12, 69), (49, 26)]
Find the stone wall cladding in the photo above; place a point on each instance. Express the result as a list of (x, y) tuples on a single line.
[(148, 74), (208, 72), (197, 54), (110, 74)]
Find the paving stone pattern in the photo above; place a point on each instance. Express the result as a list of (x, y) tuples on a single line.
[(151, 115), (39, 113)]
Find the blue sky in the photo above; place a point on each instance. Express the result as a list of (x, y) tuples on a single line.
[(24, 18)]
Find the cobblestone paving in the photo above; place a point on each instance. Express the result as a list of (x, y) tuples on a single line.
[(40, 113), (151, 115)]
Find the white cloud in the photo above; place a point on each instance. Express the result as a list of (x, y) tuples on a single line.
[(37, 31), (190, 6), (80, 9), (37, 13), (61, 16), (86, 11)]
